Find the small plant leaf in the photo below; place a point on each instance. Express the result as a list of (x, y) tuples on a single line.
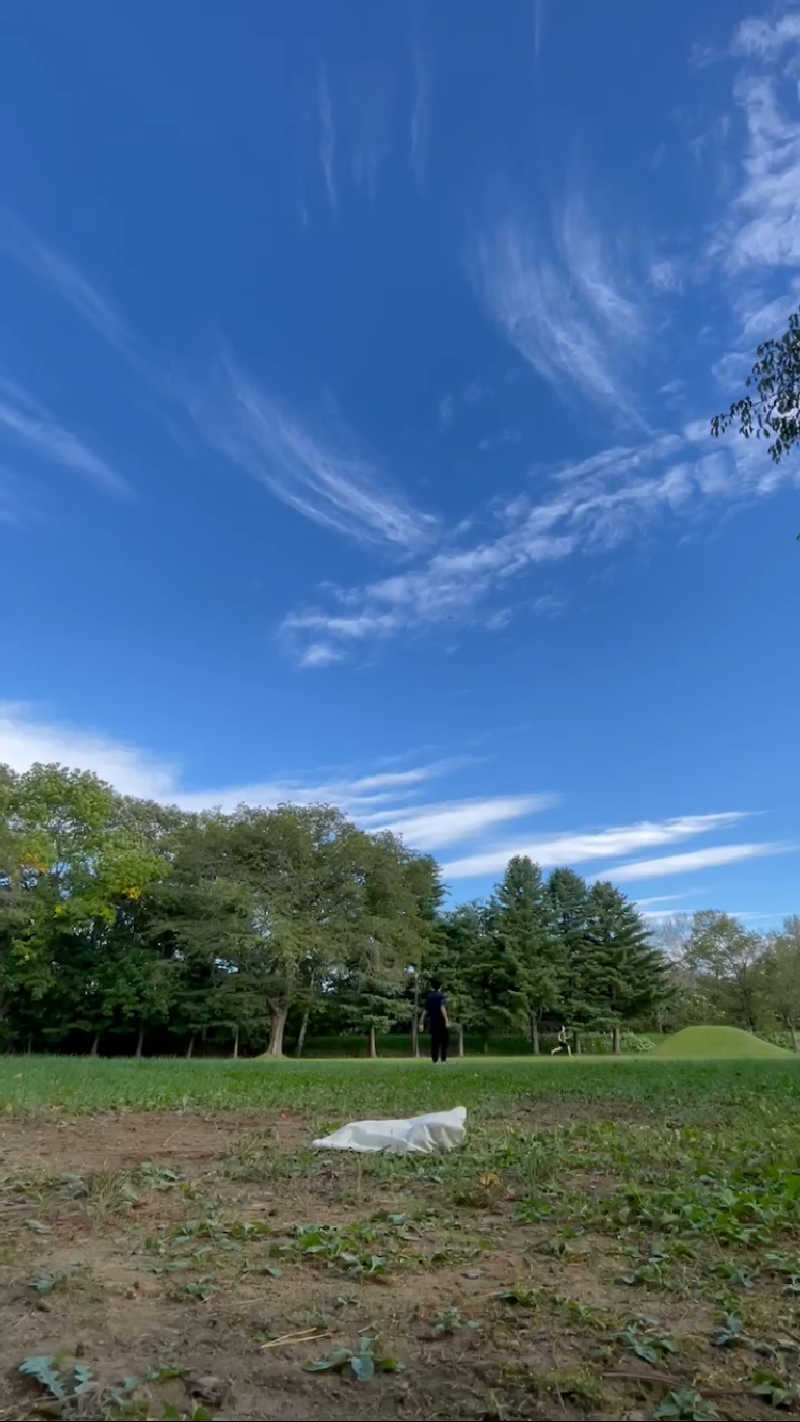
[(83, 1377), (335, 1361), (363, 1366), (685, 1404), (42, 1368)]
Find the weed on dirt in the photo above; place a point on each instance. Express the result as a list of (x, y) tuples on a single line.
[(616, 1239)]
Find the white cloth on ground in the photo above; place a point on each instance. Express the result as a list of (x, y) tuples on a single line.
[(419, 1135)]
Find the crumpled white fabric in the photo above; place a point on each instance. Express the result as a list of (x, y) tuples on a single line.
[(419, 1135)]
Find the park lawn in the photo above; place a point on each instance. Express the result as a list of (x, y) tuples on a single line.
[(618, 1238), (703, 1043)]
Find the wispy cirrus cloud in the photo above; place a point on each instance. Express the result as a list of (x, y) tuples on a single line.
[(359, 122), (322, 477), (327, 138), (579, 848), (449, 585), (588, 508), (766, 38), (34, 427), (56, 271), (756, 239), (563, 298), (420, 122), (386, 798), (712, 858), (320, 654), (439, 825), (27, 736)]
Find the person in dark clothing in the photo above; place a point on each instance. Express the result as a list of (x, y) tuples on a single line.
[(437, 1022)]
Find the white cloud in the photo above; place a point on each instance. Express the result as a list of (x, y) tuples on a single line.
[(565, 302), (731, 370), (499, 620), (761, 228), (419, 132), (662, 899), (56, 271), (319, 477), (711, 858), (665, 275), (591, 506), (763, 318), (658, 915), (450, 584), (435, 826), (577, 848), (765, 39), (34, 426), (320, 654), (447, 410), (25, 739), (327, 138)]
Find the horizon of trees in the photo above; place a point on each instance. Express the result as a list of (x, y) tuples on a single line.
[(132, 926)]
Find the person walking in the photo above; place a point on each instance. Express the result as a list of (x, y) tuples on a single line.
[(437, 1022)]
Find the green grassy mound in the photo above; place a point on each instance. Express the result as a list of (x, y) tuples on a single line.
[(717, 1042)]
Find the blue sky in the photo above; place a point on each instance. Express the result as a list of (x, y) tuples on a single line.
[(355, 372)]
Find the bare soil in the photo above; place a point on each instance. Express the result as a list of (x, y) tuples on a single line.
[(164, 1241)]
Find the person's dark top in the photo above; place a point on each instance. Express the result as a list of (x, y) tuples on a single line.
[(434, 1003)]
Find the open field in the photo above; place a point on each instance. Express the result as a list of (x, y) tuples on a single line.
[(617, 1239), (725, 1042)]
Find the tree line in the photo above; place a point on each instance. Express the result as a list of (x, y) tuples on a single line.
[(131, 926), (726, 973)]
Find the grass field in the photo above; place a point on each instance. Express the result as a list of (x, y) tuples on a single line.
[(618, 1238), (701, 1043)]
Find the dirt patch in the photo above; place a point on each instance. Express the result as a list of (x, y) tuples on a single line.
[(54, 1145), (168, 1247)]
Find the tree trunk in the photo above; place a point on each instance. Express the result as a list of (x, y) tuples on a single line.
[(373, 1050), (236, 1040), (576, 1044), (795, 1043), (301, 1036), (139, 1044), (190, 1047), (486, 1046), (534, 1035), (415, 1019), (277, 1027), (95, 1047), (617, 1041), (460, 1040), (30, 1044)]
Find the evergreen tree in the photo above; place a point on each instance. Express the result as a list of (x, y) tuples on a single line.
[(522, 920), (455, 952), (569, 898), (487, 975), (624, 976)]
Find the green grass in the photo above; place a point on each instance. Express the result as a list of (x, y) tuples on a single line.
[(615, 1217), (341, 1090), (702, 1043)]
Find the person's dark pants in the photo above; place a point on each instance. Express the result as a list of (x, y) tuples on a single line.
[(440, 1041)]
